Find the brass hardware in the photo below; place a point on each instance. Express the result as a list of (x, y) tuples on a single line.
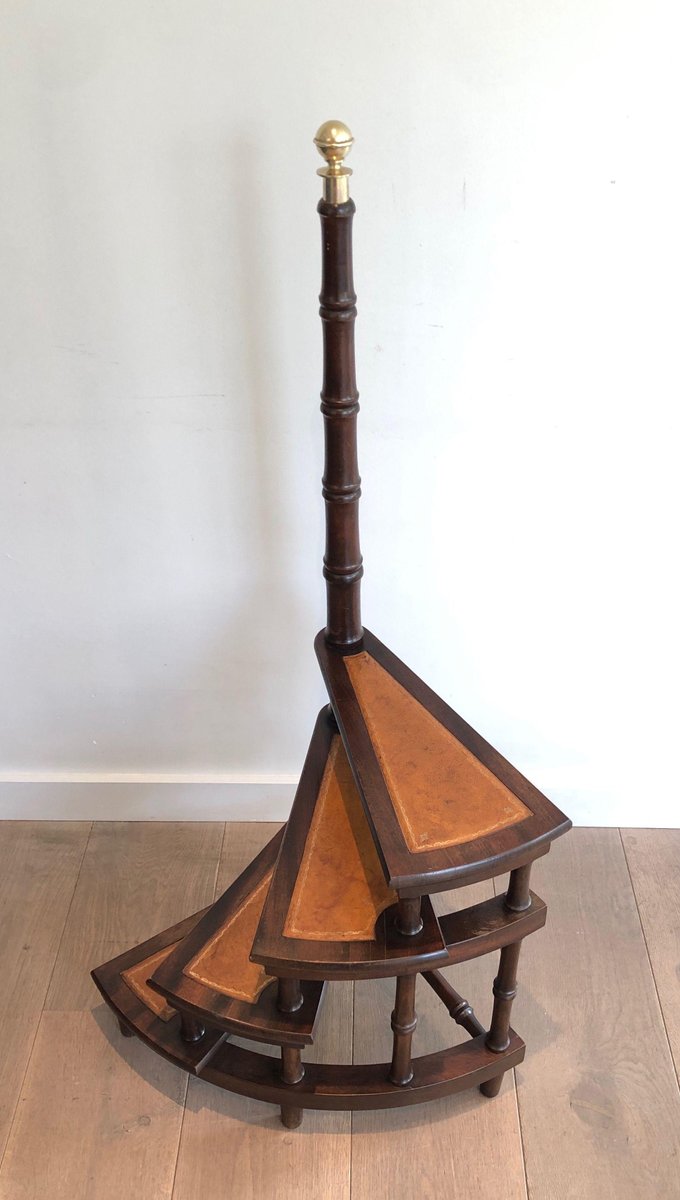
[(334, 141)]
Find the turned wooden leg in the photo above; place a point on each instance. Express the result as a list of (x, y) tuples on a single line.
[(404, 1021), (125, 1029), (289, 997), (504, 991), (517, 899), (192, 1030), (409, 921), (292, 1071)]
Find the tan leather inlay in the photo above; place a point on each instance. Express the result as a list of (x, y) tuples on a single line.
[(340, 890), (136, 977), (223, 964), (441, 793)]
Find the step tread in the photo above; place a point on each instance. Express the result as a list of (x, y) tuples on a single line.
[(210, 973), (441, 803), (121, 982), (329, 913)]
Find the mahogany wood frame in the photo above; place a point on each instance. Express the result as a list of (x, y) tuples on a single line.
[(408, 939)]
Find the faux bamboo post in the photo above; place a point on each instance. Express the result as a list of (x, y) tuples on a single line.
[(404, 1021), (517, 899), (339, 396), (292, 1072)]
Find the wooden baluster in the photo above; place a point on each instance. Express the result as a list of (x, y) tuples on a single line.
[(192, 1030), (517, 899), (292, 1071), (289, 998), (339, 396), (518, 896), (409, 920), (404, 1021)]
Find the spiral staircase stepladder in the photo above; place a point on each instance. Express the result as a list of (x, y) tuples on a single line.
[(399, 798)]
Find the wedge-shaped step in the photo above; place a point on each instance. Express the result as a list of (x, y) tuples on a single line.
[(440, 801), (210, 974), (140, 1010), (329, 913)]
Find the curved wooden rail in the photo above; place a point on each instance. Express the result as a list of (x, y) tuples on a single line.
[(338, 1086), (323, 1085)]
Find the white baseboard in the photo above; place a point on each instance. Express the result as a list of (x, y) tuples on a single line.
[(204, 797), (81, 797)]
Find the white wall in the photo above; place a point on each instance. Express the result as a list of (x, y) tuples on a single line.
[(516, 178)]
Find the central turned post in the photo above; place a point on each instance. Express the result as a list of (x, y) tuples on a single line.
[(339, 396)]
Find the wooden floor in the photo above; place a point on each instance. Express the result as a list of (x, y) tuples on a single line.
[(594, 1111)]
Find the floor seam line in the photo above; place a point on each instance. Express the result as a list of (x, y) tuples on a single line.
[(351, 1115), (676, 1071), (179, 1137), (48, 985), (521, 1134), (219, 860)]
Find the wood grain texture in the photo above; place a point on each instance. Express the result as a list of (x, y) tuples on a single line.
[(654, 863), (232, 1146), (461, 1146), (99, 1117), (598, 1098), (39, 864), (242, 841), (136, 879)]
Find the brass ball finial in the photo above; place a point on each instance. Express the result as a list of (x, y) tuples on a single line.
[(334, 141)]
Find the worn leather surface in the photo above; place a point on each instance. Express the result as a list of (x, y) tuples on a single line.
[(442, 795), (340, 889), (224, 962), (136, 977)]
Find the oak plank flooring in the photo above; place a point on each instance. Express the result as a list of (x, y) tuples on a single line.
[(242, 841), (598, 1097), (654, 862), (137, 878), (233, 1146), (86, 1088), (464, 1145), (100, 1117), (39, 867)]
